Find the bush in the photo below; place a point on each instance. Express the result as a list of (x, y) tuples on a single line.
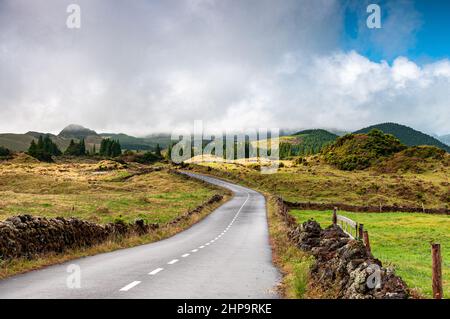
[(4, 152), (416, 159), (147, 158)]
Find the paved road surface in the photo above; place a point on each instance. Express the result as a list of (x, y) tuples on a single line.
[(226, 255)]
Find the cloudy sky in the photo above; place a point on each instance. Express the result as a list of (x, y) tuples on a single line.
[(147, 66)]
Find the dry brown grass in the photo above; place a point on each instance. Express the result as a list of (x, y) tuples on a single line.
[(79, 190), (319, 182), (292, 262)]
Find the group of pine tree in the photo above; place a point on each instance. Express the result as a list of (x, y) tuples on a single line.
[(45, 148), (110, 148)]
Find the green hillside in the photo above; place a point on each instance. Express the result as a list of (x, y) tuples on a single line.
[(130, 142), (406, 135), (162, 139), (305, 142), (15, 142)]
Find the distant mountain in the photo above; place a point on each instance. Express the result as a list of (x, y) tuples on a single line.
[(445, 139), (406, 135), (163, 139), (21, 142), (76, 131)]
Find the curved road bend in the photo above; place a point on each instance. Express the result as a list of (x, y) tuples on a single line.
[(226, 255)]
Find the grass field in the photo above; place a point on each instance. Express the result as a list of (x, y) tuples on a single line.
[(80, 190), (401, 240), (318, 182)]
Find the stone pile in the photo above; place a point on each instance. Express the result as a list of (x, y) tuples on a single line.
[(344, 266), (28, 236)]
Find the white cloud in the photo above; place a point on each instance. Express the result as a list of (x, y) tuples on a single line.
[(350, 91), (146, 66)]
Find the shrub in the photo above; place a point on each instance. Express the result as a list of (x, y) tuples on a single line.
[(147, 158), (4, 152)]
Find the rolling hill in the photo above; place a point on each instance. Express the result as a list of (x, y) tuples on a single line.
[(130, 142), (21, 142), (406, 135), (302, 143), (16, 142)]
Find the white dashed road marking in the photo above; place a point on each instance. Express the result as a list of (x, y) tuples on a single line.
[(157, 270), (154, 272), (129, 286)]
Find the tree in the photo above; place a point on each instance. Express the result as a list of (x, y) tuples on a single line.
[(44, 149), (103, 147), (32, 150), (116, 149), (82, 150), (110, 148), (76, 149), (169, 152), (40, 143), (158, 151)]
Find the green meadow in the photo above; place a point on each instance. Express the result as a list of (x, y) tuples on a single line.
[(401, 240)]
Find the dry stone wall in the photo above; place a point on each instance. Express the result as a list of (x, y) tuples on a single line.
[(28, 236), (342, 265)]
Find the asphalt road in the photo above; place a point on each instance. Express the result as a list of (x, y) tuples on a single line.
[(226, 255)]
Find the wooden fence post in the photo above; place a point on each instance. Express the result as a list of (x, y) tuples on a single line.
[(366, 241), (335, 216), (360, 231), (437, 271)]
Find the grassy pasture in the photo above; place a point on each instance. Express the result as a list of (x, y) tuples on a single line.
[(319, 182), (401, 240), (79, 190)]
